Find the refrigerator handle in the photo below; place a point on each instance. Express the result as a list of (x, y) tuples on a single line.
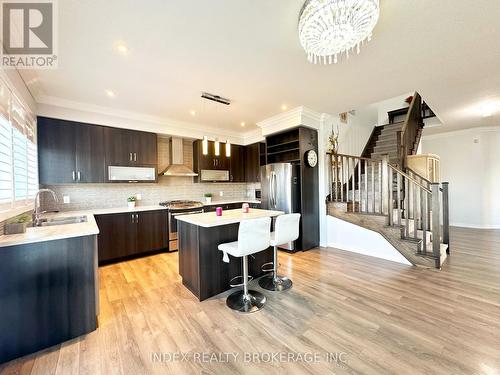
[(273, 182), (271, 193)]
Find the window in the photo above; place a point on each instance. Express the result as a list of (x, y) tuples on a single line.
[(18, 152)]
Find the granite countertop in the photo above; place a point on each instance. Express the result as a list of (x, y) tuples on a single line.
[(210, 219), (58, 232)]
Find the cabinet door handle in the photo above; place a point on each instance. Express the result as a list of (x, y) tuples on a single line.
[(78, 176), (73, 175), (135, 156), (137, 218), (130, 156)]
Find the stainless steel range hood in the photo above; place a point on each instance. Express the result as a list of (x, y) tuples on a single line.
[(177, 167)]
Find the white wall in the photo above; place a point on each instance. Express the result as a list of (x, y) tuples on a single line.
[(350, 237), (354, 135), (470, 162), (389, 105)]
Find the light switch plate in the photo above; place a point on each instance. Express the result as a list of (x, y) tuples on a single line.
[(221, 193), (138, 197), (66, 199)]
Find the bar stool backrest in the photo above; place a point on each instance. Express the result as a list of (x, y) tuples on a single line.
[(254, 235), (286, 228)]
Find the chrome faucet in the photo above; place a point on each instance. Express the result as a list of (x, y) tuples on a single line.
[(36, 211)]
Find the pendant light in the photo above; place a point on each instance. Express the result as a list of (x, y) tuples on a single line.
[(228, 149), (217, 147), (204, 145)]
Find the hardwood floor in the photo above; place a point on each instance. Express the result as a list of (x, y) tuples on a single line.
[(385, 317)]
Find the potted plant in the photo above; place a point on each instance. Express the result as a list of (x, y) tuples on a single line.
[(208, 197), (17, 224), (131, 202)]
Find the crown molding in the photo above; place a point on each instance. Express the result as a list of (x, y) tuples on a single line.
[(253, 136), (76, 111), (299, 116)]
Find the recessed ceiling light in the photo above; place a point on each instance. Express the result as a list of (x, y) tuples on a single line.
[(487, 109), (121, 47), (284, 107), (110, 93), (192, 112), (243, 124)]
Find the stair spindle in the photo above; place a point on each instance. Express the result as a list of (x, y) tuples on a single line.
[(366, 185), (390, 205), (373, 187), (398, 203), (406, 206), (414, 210)]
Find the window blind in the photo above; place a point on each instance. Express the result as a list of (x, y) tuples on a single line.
[(18, 152), (6, 180)]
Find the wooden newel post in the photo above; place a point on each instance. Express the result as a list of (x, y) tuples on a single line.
[(436, 224), (446, 216)]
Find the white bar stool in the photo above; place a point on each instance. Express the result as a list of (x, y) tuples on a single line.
[(253, 236), (286, 230)]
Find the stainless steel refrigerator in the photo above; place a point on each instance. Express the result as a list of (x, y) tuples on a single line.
[(280, 189)]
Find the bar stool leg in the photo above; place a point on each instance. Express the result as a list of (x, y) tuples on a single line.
[(246, 301), (274, 282)]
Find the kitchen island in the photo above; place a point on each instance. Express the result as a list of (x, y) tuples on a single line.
[(200, 262)]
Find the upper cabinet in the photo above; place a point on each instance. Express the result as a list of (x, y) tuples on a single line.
[(130, 148), (72, 152), (209, 161), (69, 152), (255, 157), (237, 164), (243, 164)]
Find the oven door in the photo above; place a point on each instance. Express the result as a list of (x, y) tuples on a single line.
[(172, 227)]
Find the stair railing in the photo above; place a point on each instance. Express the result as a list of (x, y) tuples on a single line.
[(374, 186), (408, 134), (347, 185)]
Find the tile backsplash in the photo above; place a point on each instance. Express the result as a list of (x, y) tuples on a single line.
[(89, 196)]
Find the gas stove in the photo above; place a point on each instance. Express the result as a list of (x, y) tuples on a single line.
[(181, 205)]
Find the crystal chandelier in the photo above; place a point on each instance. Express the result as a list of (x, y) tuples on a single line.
[(329, 29)]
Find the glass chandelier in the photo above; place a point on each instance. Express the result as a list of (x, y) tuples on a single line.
[(330, 29)]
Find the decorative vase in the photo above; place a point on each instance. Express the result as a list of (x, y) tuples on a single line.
[(131, 205), (15, 228), (208, 199)]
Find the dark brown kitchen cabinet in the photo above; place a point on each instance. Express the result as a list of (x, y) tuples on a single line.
[(252, 163), (129, 147), (117, 236), (237, 164), (69, 152), (210, 161), (129, 234), (89, 154), (152, 233)]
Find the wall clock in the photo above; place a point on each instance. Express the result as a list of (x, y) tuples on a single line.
[(311, 158)]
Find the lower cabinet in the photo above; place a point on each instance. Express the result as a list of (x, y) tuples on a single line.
[(132, 233)]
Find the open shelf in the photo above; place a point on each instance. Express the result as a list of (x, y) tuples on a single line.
[(282, 151), (287, 143)]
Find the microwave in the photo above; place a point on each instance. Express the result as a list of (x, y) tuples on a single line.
[(131, 174), (211, 175)]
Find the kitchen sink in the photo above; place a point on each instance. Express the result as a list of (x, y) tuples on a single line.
[(62, 220)]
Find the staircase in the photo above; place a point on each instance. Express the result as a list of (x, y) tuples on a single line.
[(376, 191), (399, 139)]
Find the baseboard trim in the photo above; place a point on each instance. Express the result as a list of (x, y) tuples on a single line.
[(473, 226)]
